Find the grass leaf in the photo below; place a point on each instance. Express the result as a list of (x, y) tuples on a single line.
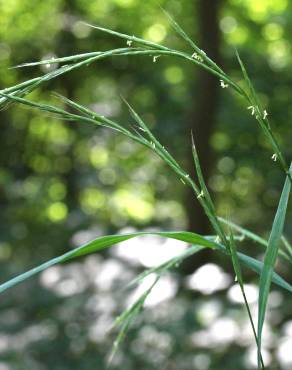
[(257, 110), (125, 319), (258, 266), (238, 273), (105, 242), (128, 37), (206, 200), (185, 36), (256, 238), (173, 262), (271, 255)]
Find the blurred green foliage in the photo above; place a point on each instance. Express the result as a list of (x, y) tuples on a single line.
[(58, 178)]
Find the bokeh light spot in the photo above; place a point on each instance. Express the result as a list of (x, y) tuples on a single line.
[(156, 32), (174, 74), (57, 211)]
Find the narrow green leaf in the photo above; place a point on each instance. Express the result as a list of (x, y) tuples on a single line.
[(287, 245), (257, 266), (206, 200), (200, 175), (173, 262), (125, 319), (238, 273), (235, 260), (71, 58), (164, 153), (253, 99), (128, 37), (252, 236), (271, 255), (105, 242), (25, 87), (181, 32), (186, 37), (249, 234)]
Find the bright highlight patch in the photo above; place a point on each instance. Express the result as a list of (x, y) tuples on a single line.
[(125, 3), (57, 211), (134, 205), (91, 200), (156, 32), (272, 31), (174, 74), (98, 157), (208, 279)]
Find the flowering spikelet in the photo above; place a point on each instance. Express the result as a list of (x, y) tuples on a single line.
[(200, 195), (252, 109), (223, 84), (197, 57)]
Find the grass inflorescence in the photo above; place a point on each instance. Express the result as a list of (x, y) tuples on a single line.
[(223, 240)]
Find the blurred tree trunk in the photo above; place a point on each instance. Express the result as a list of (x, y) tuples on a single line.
[(203, 117), (66, 45)]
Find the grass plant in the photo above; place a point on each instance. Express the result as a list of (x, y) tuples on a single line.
[(223, 240)]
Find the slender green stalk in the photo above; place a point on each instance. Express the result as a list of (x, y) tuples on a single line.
[(224, 243), (127, 317), (287, 245), (238, 273), (271, 256), (204, 62), (258, 239)]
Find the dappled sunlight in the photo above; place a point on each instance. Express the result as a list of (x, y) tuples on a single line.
[(207, 312), (284, 350), (234, 293), (155, 343), (110, 272), (260, 10), (76, 277), (5, 366), (208, 279), (64, 287), (100, 303), (136, 203), (148, 250), (275, 299), (57, 211), (251, 359), (80, 30), (103, 278), (155, 32), (85, 236), (221, 332), (45, 330), (100, 328), (279, 53), (64, 281), (201, 361), (4, 343), (228, 24), (174, 74), (84, 165), (165, 289), (48, 67), (51, 276), (284, 353)]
